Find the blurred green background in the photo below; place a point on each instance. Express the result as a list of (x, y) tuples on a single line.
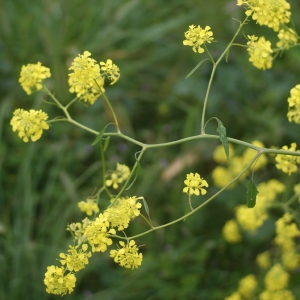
[(41, 183)]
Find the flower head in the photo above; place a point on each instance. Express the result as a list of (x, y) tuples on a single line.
[(128, 255), (32, 75), (85, 79), (247, 286), (118, 176), (271, 13), (75, 259), (194, 184), (197, 36), (263, 260), (231, 232), (110, 70), (57, 283), (294, 105), (29, 124), (287, 163), (277, 278), (287, 37), (260, 52), (89, 206)]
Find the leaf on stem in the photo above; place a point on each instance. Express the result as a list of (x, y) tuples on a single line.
[(146, 208), (99, 136), (222, 134), (106, 143), (198, 65), (251, 194)]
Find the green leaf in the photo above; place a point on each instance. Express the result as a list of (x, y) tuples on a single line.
[(227, 55), (98, 137), (222, 133), (106, 143), (251, 194), (198, 65), (146, 208)]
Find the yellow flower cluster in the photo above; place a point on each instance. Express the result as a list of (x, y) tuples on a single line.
[(89, 206), (264, 260), (87, 76), (223, 175), (286, 232), (287, 37), (288, 163), (29, 124), (246, 289), (294, 105), (231, 232), (32, 75), (194, 185), (96, 234), (197, 36), (260, 52), (128, 255), (118, 176), (271, 13)]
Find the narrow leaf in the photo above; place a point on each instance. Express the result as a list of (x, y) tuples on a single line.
[(222, 134), (251, 194), (227, 55), (98, 137), (198, 65), (106, 143), (146, 208)]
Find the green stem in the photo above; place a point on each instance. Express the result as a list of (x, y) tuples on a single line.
[(215, 64)]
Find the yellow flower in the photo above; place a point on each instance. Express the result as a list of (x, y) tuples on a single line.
[(194, 184), (97, 233), (264, 260), (247, 286), (234, 296), (29, 124), (271, 13), (110, 70), (32, 75), (287, 163), (197, 36), (231, 232), (75, 260), (57, 283), (277, 295), (128, 255), (219, 155), (85, 80), (260, 52), (276, 278), (287, 37), (294, 105), (118, 176), (89, 206)]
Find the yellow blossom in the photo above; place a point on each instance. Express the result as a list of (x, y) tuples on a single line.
[(85, 79), (287, 163), (75, 259), (118, 176), (57, 283), (32, 75), (294, 105), (247, 286), (264, 260), (287, 37), (128, 255), (197, 36), (89, 206), (231, 232), (98, 233), (219, 155), (110, 70), (276, 278), (234, 296), (260, 52), (277, 295), (194, 184), (271, 13), (29, 124)]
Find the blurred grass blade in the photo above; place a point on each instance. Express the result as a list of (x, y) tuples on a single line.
[(223, 138), (251, 194), (199, 64)]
